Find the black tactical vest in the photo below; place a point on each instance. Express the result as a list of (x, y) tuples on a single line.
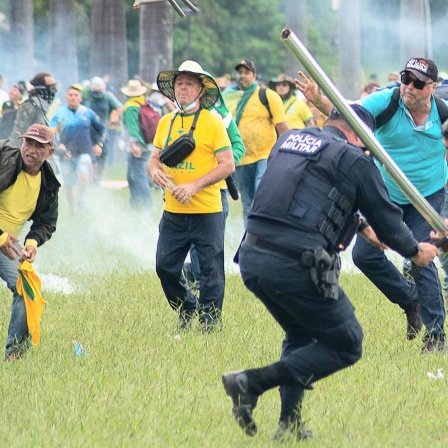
[(304, 189)]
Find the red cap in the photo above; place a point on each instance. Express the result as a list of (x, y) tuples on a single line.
[(40, 133)]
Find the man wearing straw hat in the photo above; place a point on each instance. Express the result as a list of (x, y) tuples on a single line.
[(193, 206), (138, 156)]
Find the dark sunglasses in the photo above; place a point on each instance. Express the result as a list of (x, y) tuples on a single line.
[(419, 85)]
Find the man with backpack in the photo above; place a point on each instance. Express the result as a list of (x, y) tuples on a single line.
[(140, 150), (259, 115), (410, 133)]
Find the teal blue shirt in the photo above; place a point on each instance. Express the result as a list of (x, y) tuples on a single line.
[(417, 150)]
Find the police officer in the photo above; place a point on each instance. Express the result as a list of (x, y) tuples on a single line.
[(303, 214)]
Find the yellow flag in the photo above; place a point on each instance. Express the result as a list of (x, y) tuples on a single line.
[(231, 98), (29, 286)]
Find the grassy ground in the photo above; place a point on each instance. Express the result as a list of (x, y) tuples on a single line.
[(141, 386)]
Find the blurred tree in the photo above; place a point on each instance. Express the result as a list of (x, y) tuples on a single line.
[(63, 62), (21, 38), (412, 26), (221, 34), (349, 49), (226, 31), (323, 35), (296, 19), (156, 39), (108, 50)]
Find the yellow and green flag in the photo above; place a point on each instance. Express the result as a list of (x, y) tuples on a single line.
[(29, 286)]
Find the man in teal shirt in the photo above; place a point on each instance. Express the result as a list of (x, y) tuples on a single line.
[(413, 139)]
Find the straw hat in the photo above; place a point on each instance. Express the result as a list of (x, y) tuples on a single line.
[(134, 88), (165, 81)]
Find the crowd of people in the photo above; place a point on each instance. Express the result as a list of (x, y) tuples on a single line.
[(305, 182)]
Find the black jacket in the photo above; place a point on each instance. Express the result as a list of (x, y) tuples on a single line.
[(45, 214)]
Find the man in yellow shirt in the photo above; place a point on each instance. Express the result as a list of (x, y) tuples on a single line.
[(28, 191), (258, 127), (193, 206)]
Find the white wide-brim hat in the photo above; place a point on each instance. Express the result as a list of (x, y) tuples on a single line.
[(134, 88), (165, 82)]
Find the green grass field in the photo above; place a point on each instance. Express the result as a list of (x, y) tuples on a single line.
[(140, 386)]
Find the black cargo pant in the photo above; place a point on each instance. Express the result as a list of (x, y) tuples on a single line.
[(177, 232), (322, 336)]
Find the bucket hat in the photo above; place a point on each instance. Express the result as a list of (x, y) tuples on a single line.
[(165, 82), (133, 88), (282, 78)]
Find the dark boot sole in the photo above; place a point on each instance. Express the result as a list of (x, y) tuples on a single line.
[(235, 386)]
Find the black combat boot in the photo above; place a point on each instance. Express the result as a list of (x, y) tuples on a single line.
[(244, 388), (290, 425), (244, 400)]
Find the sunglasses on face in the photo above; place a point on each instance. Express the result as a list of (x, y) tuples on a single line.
[(419, 85)]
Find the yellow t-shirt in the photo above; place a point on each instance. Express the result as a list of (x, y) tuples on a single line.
[(297, 113), (256, 127), (18, 202), (210, 137)]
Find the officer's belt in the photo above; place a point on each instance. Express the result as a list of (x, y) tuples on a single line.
[(306, 258)]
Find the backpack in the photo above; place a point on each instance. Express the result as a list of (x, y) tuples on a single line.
[(392, 107), (148, 120), (264, 100)]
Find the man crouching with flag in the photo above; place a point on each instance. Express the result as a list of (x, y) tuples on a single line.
[(28, 191)]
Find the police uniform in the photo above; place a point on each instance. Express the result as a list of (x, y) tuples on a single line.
[(303, 215)]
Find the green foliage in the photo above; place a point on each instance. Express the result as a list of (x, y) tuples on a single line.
[(220, 35), (223, 34), (322, 37)]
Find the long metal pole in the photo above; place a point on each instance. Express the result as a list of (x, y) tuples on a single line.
[(415, 198), (428, 28)]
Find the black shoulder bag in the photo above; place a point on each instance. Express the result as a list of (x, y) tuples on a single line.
[(173, 154)]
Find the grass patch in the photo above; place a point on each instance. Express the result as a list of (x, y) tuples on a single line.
[(139, 386)]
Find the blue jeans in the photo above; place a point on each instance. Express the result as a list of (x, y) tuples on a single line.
[(138, 180), (196, 270), (18, 334), (389, 280), (444, 255), (248, 178), (177, 232)]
